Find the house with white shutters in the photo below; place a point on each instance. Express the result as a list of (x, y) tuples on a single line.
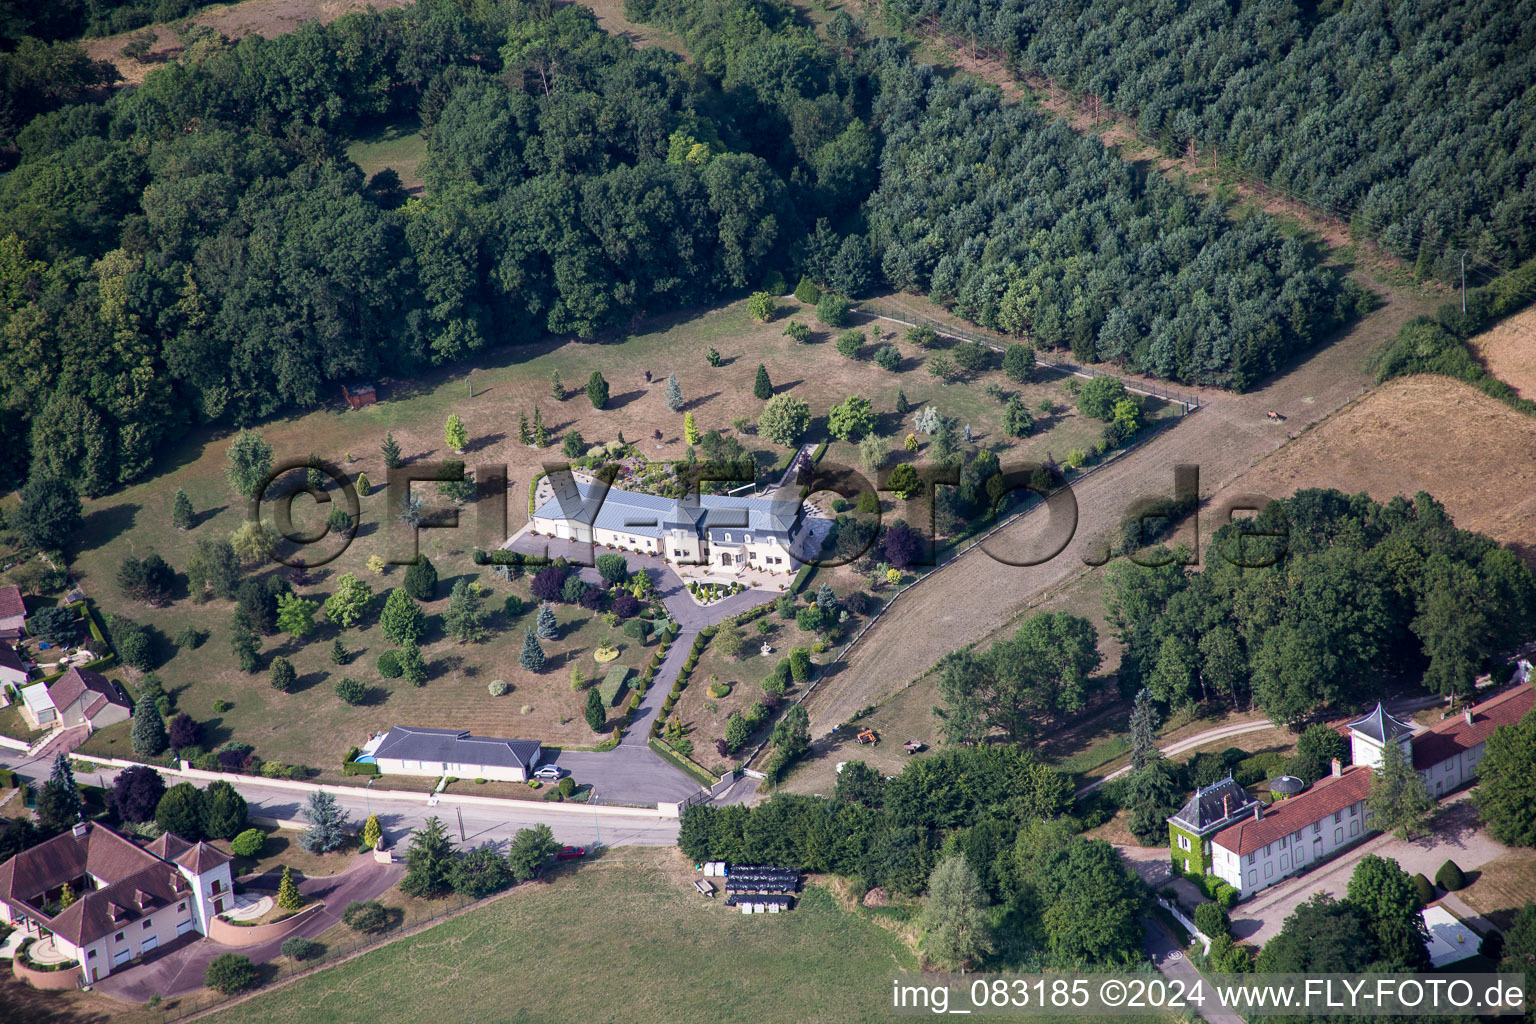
[(1259, 846)]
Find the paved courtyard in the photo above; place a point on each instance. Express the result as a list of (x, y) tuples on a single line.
[(1455, 836)]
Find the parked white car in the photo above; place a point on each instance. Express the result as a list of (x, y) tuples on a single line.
[(550, 771)]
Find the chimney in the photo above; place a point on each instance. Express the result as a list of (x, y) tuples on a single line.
[(1258, 810), (1468, 715), (1226, 805), (80, 829), (1338, 769)]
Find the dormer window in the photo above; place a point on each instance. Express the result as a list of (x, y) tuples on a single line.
[(727, 538), (117, 913), (747, 539), (142, 899)]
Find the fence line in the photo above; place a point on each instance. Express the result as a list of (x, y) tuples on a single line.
[(1139, 385)]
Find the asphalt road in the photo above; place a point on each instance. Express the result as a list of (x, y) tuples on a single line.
[(480, 823)]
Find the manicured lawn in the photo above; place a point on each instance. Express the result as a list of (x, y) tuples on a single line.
[(621, 938), (283, 850), (1503, 885)]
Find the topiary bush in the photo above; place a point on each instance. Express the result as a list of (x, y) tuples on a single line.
[(248, 843), (1227, 896), (1424, 888), (1449, 877), (499, 687), (389, 665)]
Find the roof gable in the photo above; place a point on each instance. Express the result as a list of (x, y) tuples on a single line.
[(11, 604), (1457, 735)]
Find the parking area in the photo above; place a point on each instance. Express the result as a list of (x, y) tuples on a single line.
[(1455, 836)]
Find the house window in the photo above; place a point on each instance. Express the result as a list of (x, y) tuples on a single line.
[(146, 926), (1285, 841), (1354, 828), (1317, 827), (747, 539), (1183, 842), (1338, 816), (1354, 809), (1253, 878), (1285, 861), (1269, 870), (1338, 835), (119, 937), (218, 886), (182, 909), (727, 538), (1250, 858), (1267, 848)]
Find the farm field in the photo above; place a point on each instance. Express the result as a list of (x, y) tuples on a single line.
[(1472, 452), (1508, 350), (310, 725)]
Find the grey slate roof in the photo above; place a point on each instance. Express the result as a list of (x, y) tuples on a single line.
[(1380, 725), (648, 515), (455, 746), (1209, 807)]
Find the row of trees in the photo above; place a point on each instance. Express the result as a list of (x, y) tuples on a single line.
[(1349, 105), (1334, 593)]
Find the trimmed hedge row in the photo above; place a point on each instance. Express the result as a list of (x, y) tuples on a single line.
[(697, 771)]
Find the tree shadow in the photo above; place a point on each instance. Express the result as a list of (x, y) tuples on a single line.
[(374, 696), (620, 401), (199, 518), (694, 403), (308, 681), (216, 733), (779, 389), (104, 524), (481, 443)]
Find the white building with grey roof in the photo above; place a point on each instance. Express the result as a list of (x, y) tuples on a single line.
[(410, 750), (722, 532)]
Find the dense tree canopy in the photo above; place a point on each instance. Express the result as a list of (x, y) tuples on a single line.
[(199, 249), (1360, 589), (1412, 119)]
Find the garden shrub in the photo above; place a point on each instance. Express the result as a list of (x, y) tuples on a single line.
[(248, 843), (1449, 877), (389, 665), (366, 916)]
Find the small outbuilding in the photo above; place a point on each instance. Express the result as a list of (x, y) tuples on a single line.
[(359, 394), (1286, 785)]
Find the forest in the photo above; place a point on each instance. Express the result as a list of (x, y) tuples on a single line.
[(1317, 604), (199, 249), (1021, 225), (1411, 119)]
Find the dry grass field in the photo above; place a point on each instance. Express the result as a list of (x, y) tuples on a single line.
[(1503, 885), (1508, 350), (1425, 433)]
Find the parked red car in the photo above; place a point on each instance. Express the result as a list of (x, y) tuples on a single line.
[(570, 853)]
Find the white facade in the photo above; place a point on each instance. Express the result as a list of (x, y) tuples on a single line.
[(437, 769), (1293, 852)]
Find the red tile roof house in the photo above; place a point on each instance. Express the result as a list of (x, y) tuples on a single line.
[(13, 613), (78, 697), (1293, 835), (129, 900)]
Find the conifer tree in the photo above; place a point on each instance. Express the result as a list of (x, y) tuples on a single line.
[(597, 715), (556, 387), (532, 657), (364, 485), (1143, 737), (63, 778), (149, 738), (181, 510), (524, 435), (546, 625), (762, 387), (540, 431), (690, 429), (391, 451), (288, 895), (674, 393), (454, 433), (373, 832)]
